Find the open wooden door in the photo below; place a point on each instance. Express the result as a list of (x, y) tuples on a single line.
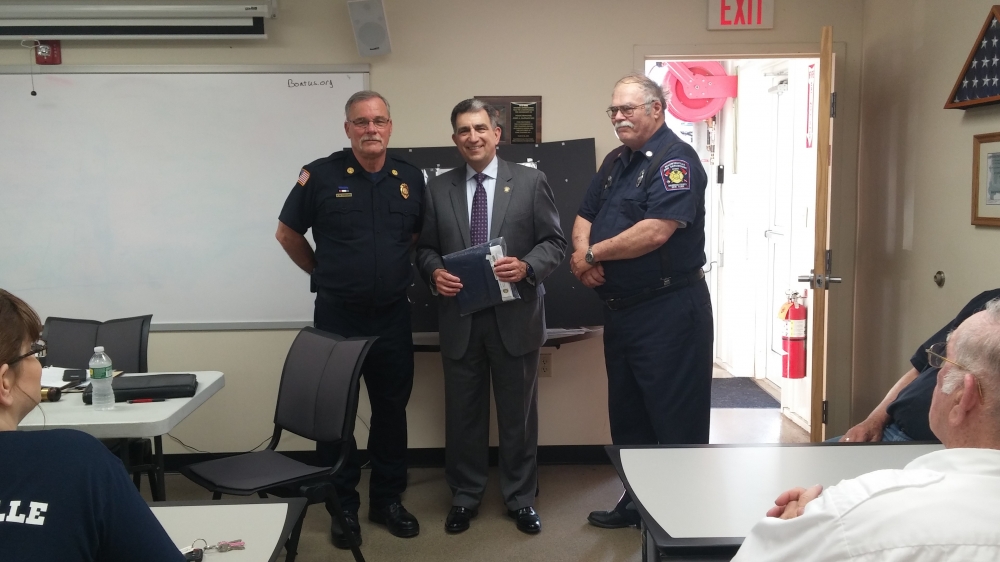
[(820, 277)]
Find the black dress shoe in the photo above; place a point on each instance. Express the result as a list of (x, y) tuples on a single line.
[(395, 518), (623, 515), (458, 519), (340, 538), (527, 520), (614, 519)]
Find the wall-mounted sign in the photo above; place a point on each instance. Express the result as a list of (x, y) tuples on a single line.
[(520, 118), (740, 14)]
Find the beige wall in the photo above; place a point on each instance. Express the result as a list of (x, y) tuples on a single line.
[(569, 52), (915, 186)]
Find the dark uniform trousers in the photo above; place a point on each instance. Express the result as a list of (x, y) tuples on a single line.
[(658, 355), (388, 375), (467, 404)]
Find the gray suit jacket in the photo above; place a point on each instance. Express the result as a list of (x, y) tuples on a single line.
[(526, 216)]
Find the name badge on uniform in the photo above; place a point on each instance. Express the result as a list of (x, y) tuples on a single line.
[(344, 191), (676, 175)]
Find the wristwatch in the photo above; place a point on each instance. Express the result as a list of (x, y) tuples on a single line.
[(589, 258)]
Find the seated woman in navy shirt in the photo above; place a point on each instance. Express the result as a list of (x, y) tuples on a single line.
[(63, 495)]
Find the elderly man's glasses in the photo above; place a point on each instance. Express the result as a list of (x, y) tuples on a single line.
[(936, 358), (379, 122), (627, 110), (38, 349)]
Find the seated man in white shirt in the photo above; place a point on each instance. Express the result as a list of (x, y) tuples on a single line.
[(943, 506)]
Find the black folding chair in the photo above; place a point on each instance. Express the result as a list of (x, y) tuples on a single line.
[(71, 343), (318, 400)]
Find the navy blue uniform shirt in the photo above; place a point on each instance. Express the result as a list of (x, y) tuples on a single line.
[(363, 226), (64, 497), (676, 192), (912, 405)]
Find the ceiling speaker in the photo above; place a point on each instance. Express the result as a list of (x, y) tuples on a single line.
[(371, 32)]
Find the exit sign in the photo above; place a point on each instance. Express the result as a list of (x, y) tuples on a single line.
[(740, 14)]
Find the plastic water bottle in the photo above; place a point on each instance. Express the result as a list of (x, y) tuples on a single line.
[(100, 380)]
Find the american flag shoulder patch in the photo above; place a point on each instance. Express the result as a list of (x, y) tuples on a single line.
[(303, 177)]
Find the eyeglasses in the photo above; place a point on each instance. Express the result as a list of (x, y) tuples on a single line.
[(379, 122), (627, 110), (936, 358), (38, 349)]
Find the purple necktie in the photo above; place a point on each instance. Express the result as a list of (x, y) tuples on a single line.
[(478, 226)]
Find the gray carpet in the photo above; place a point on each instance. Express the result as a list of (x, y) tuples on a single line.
[(740, 392)]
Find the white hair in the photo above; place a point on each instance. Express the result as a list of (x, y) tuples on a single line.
[(979, 351)]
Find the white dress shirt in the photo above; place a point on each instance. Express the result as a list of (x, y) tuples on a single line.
[(488, 184), (944, 505)]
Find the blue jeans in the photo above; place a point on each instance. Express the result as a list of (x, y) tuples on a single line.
[(893, 432)]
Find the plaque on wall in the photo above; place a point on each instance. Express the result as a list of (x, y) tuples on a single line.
[(520, 118)]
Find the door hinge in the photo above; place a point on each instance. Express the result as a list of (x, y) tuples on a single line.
[(825, 404), (833, 104)]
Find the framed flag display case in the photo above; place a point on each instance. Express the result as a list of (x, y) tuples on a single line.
[(979, 82)]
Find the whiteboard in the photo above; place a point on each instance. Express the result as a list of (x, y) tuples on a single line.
[(158, 191)]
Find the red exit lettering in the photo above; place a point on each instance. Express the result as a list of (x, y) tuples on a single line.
[(744, 12)]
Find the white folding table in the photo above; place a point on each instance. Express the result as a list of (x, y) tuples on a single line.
[(146, 420), (262, 524), (700, 501)]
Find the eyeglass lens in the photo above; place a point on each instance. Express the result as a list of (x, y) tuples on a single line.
[(936, 354), (627, 110), (362, 123)]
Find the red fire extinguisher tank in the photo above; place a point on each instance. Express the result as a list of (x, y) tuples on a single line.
[(793, 339)]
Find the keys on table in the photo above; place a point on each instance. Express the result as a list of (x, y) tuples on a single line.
[(194, 554), (226, 546)]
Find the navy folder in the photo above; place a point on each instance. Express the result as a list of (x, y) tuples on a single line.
[(480, 288)]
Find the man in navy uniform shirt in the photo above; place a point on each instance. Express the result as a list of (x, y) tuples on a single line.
[(364, 209), (902, 414), (639, 241)]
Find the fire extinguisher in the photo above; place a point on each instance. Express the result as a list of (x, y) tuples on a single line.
[(793, 338)]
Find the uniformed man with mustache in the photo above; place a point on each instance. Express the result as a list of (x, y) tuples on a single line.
[(639, 241)]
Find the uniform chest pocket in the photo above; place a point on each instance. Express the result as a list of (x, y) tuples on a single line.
[(342, 217), (403, 215), (631, 212)]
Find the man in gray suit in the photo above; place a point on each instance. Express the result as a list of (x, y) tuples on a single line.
[(484, 199)]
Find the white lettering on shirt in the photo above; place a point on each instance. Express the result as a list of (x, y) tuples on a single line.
[(12, 516), (36, 509), (35, 515)]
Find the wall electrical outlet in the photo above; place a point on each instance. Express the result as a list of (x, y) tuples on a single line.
[(545, 365)]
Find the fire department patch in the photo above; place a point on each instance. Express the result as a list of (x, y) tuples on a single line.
[(676, 175)]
